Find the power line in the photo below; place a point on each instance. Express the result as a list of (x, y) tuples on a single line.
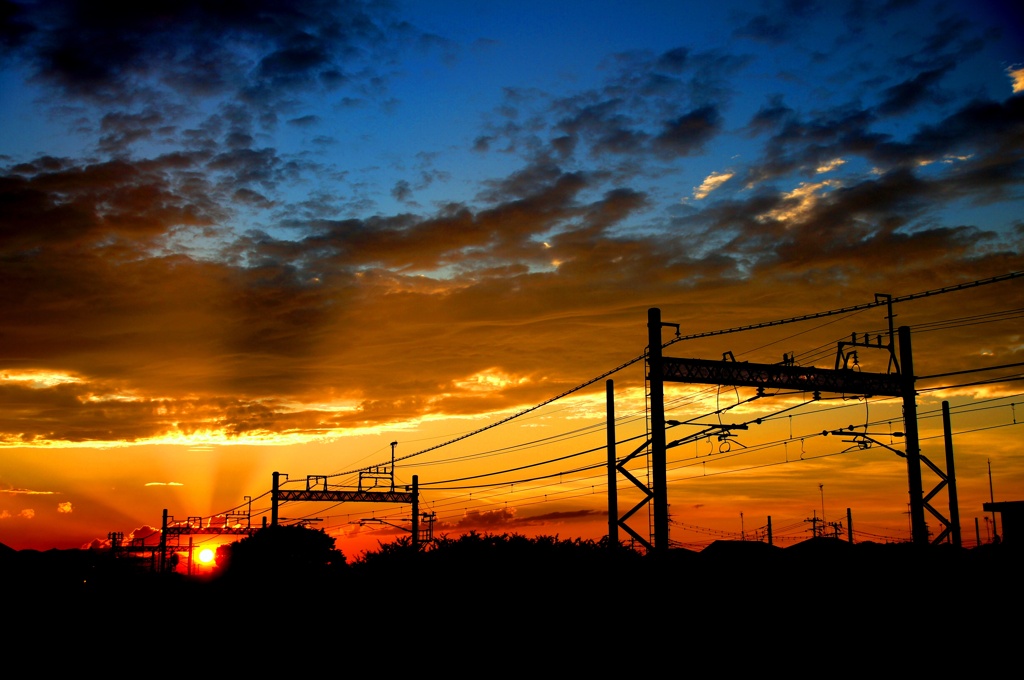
[(970, 370), (846, 310), (766, 324)]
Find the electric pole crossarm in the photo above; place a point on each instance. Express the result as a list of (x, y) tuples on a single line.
[(780, 376)]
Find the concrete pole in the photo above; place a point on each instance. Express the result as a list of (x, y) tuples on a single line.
[(163, 543), (655, 377), (613, 492), (274, 494), (954, 506), (918, 528)]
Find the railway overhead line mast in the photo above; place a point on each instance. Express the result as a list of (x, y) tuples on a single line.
[(844, 379)]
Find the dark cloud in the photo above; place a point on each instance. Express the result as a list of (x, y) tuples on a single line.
[(780, 24), (99, 50), (304, 121), (985, 129), (989, 126), (402, 191), (770, 117), (507, 519), (93, 205), (634, 115), (120, 130), (904, 96), (16, 26), (688, 133), (252, 198), (673, 61)]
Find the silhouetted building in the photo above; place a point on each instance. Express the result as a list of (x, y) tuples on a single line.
[(1012, 514)]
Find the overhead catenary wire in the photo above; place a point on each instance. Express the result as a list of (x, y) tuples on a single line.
[(846, 310), (593, 482), (766, 324), (676, 464)]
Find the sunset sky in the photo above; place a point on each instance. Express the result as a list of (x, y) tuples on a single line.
[(247, 237)]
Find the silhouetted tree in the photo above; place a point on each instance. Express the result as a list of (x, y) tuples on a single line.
[(275, 552), (510, 564)]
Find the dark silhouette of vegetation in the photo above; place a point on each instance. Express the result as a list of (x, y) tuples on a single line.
[(519, 562), (475, 585), (501, 549), (277, 553)]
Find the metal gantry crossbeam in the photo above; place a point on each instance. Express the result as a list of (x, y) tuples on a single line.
[(345, 496), (787, 376), (780, 376), (317, 490)]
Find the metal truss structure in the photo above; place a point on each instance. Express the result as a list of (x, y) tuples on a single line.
[(841, 380)]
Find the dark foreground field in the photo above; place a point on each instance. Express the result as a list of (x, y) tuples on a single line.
[(532, 596)]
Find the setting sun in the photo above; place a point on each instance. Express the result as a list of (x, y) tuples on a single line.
[(206, 556)]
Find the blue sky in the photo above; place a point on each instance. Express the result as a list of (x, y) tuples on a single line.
[(245, 221)]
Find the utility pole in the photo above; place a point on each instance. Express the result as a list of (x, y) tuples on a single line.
[(275, 496), (918, 528), (814, 524), (163, 542), (659, 456), (613, 493), (954, 503), (393, 445), (992, 499)]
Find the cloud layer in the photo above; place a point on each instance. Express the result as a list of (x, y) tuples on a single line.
[(205, 261)]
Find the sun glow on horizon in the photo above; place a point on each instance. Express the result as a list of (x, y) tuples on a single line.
[(40, 378)]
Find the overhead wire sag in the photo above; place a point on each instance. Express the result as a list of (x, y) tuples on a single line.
[(680, 338)]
